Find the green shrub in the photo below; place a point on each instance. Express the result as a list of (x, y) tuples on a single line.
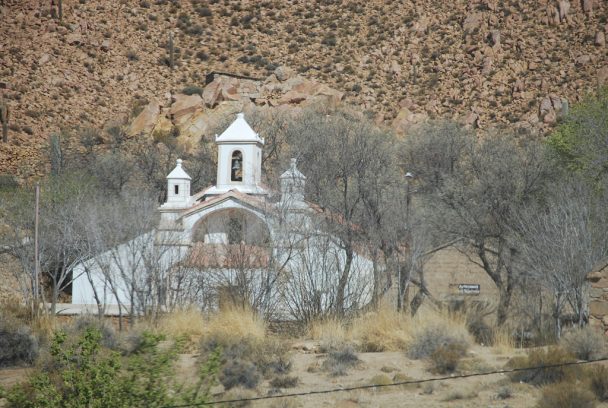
[(598, 378), (446, 358), (84, 374), (586, 343), (432, 338), (8, 182), (17, 344), (109, 339), (566, 395), (543, 375), (192, 90)]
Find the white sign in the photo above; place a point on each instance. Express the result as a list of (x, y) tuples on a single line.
[(469, 289)]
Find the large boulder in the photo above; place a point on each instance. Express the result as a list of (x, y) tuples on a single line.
[(146, 120), (227, 88), (407, 119), (298, 90), (185, 105)]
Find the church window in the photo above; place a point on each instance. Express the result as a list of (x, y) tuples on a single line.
[(236, 166), (235, 231), (176, 189)]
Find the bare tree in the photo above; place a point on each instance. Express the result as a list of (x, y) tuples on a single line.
[(63, 199), (132, 257), (560, 242), (313, 286), (351, 172), (475, 190)]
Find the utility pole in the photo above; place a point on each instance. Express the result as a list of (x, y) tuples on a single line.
[(400, 284), (36, 255)]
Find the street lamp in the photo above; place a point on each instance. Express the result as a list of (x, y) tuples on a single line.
[(408, 177), (400, 296)]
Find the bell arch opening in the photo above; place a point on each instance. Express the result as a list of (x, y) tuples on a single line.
[(236, 166)]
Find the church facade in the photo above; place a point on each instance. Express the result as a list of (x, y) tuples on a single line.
[(235, 241)]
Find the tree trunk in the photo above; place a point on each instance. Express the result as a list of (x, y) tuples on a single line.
[(504, 302), (340, 296)]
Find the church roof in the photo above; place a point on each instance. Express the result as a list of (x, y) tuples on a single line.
[(239, 131), (232, 194), (293, 172), (178, 172)]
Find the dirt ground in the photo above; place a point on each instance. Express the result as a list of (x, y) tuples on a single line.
[(464, 392)]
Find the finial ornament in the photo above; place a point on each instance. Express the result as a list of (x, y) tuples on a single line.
[(293, 163), (179, 162)]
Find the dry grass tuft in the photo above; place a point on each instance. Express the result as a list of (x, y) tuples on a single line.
[(235, 323), (382, 330), (504, 343), (385, 329), (188, 323), (331, 333)]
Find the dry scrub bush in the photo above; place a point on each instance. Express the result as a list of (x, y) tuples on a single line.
[(598, 379), (239, 393), (504, 393), (429, 339), (542, 358), (381, 330), (380, 379), (566, 395), (459, 395), (446, 358), (247, 354), (17, 343), (239, 373), (586, 343), (284, 381), (338, 361)]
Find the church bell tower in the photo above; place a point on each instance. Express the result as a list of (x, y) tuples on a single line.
[(239, 161)]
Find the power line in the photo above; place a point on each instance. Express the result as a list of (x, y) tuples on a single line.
[(363, 387)]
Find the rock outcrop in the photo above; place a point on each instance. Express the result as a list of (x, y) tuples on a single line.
[(193, 116)]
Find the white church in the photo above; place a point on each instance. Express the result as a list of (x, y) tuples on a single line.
[(235, 241)]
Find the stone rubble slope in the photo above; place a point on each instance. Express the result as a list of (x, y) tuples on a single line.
[(487, 63)]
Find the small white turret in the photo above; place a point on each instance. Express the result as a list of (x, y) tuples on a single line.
[(178, 187), (292, 187)]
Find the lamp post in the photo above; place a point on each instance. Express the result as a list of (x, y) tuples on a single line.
[(408, 176), (401, 295)]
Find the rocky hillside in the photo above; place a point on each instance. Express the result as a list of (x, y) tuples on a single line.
[(485, 62)]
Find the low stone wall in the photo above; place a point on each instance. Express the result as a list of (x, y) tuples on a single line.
[(598, 297)]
